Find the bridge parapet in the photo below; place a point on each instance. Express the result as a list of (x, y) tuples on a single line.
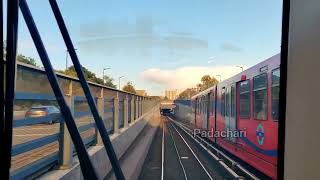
[(43, 142)]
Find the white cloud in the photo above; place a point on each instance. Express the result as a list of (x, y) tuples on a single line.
[(185, 77), (231, 47), (26, 45)]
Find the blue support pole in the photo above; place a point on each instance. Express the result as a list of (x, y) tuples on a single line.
[(85, 163), (12, 35), (2, 136), (99, 123)]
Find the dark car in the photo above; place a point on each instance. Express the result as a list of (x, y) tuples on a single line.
[(41, 111), (166, 111)]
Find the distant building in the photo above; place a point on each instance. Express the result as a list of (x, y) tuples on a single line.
[(141, 92), (172, 94)]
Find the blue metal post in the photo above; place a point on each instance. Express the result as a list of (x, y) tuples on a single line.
[(12, 35), (2, 135), (85, 163), (99, 123)]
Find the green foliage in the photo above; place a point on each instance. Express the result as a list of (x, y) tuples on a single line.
[(20, 58), (129, 88), (27, 60), (206, 82), (188, 93), (89, 76), (108, 81)]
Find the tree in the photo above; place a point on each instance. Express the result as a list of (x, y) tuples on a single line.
[(27, 60), (129, 88), (188, 93), (108, 81), (20, 58), (89, 76), (207, 81)]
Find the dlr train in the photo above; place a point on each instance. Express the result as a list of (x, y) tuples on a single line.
[(247, 102)]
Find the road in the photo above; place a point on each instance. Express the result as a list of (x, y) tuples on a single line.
[(175, 155), (25, 134)]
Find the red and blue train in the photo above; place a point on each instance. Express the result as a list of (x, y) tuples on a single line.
[(247, 102)]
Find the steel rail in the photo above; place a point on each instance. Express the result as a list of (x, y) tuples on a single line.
[(248, 173), (178, 154), (193, 153), (162, 152)]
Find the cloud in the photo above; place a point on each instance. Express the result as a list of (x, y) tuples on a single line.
[(185, 77), (231, 47), (211, 60), (26, 45), (139, 38)]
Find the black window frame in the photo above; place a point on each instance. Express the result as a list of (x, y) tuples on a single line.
[(213, 103), (259, 89), (247, 91), (233, 101), (222, 100), (272, 86)]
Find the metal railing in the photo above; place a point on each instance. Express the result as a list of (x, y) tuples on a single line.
[(39, 145)]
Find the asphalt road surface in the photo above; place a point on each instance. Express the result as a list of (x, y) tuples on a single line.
[(26, 134)]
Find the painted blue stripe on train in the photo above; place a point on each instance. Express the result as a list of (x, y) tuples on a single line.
[(273, 153)]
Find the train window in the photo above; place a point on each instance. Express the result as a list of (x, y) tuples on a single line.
[(260, 97), (200, 106), (197, 106), (275, 93), (245, 99), (227, 110), (233, 105), (222, 102), (212, 104)]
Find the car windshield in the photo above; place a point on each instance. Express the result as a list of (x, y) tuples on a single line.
[(38, 109)]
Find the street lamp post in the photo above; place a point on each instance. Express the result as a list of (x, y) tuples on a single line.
[(240, 67), (119, 81), (219, 77), (67, 53), (103, 74)]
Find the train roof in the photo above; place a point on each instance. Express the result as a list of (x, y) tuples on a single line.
[(270, 63)]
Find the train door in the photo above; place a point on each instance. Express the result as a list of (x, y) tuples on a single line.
[(226, 110), (204, 112), (230, 117), (196, 111), (232, 107), (209, 100)]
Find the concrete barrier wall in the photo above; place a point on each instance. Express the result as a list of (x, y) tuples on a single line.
[(121, 142)]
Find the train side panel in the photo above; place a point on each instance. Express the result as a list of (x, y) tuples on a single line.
[(233, 107)]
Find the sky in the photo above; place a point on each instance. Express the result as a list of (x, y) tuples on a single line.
[(159, 45)]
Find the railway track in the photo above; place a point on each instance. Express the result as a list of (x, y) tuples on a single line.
[(192, 167), (230, 165), (176, 154)]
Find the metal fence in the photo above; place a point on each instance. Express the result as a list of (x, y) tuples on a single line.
[(39, 142)]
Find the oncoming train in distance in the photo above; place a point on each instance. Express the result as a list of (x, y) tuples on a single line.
[(246, 102)]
